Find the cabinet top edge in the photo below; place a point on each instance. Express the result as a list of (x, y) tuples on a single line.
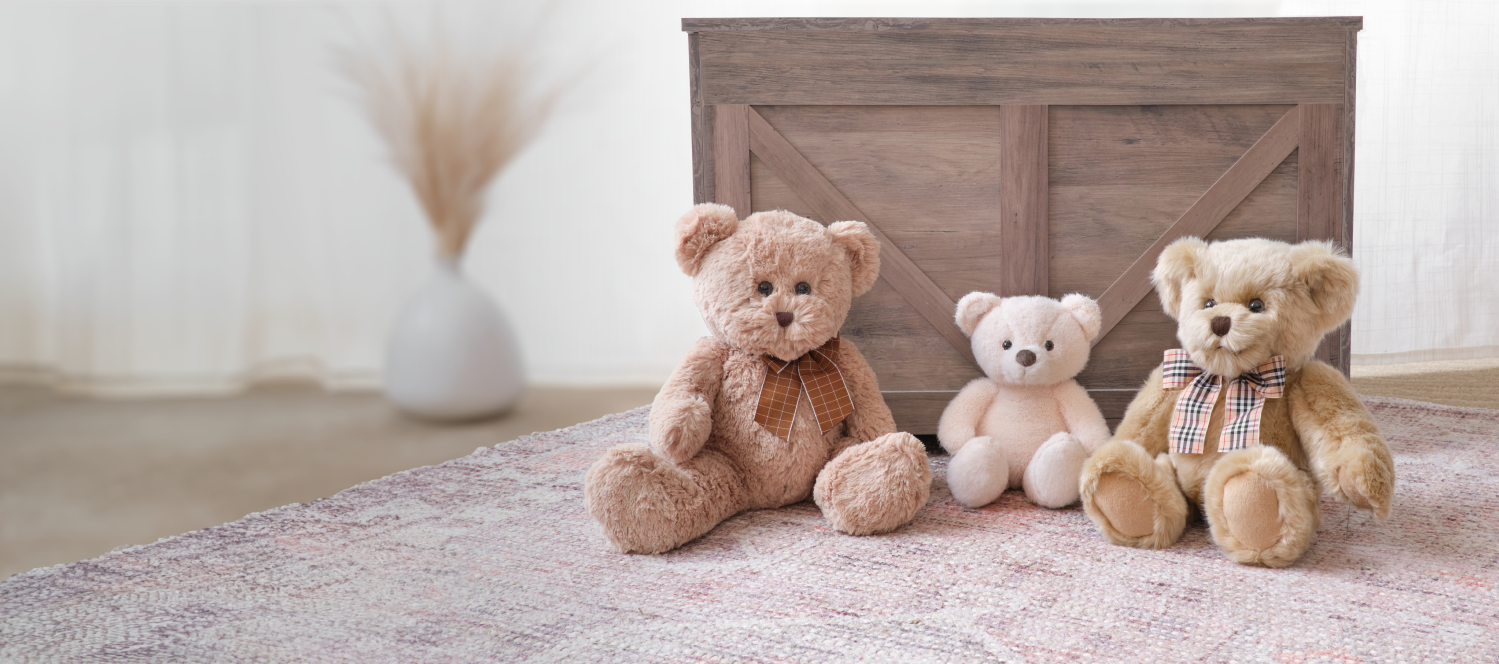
[(1352, 23)]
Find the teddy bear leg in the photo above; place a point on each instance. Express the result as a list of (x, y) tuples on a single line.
[(874, 487), (1051, 477), (1261, 508), (647, 504), (1133, 500), (979, 472)]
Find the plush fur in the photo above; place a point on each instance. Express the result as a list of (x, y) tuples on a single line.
[(1028, 425), (707, 458), (1260, 503)]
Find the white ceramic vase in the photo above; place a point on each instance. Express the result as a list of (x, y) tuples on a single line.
[(452, 355)]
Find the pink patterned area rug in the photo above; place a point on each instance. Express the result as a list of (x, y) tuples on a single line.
[(491, 558)]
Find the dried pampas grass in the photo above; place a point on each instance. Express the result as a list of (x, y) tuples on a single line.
[(452, 120)]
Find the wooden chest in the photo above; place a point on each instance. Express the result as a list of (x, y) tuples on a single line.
[(1026, 156)]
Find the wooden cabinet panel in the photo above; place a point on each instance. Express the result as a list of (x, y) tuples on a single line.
[(1026, 156)]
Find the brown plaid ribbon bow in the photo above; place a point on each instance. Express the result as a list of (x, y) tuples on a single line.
[(1243, 405), (818, 372)]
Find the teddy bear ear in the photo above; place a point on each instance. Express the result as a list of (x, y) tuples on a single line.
[(697, 231), (863, 252), (1177, 264), (1086, 312), (1330, 277), (972, 309)]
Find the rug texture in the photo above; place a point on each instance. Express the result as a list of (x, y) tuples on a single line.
[(492, 558)]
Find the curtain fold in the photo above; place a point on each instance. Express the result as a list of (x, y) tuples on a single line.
[(188, 203)]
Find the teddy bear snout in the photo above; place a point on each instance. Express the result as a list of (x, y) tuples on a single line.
[(1220, 325), (1025, 358), (784, 318)]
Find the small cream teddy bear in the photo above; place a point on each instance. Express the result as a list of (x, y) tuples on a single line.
[(1028, 424)]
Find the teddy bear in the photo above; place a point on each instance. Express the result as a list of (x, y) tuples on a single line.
[(774, 406), (1240, 422), (1027, 424)]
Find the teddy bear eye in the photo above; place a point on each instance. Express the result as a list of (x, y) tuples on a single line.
[(1209, 304), (766, 288), (1049, 346), (803, 289), (1256, 305), (1005, 345)]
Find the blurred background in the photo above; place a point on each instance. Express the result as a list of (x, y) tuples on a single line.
[(203, 243)]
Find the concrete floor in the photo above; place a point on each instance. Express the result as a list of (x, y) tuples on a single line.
[(79, 477)]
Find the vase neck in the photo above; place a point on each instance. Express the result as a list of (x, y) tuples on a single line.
[(450, 265)]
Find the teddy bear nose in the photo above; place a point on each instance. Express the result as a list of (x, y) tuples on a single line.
[(1221, 325), (1025, 358), (784, 318)]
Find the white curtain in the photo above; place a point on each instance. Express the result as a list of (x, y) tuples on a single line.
[(1426, 177), (187, 203)]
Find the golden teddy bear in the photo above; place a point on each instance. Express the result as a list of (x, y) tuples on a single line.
[(1241, 421)]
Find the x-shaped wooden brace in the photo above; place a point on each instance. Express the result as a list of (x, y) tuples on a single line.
[(739, 131)]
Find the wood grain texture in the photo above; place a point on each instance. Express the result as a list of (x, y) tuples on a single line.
[(1113, 402), (991, 24), (943, 213), (1320, 206), (731, 158), (702, 129), (1034, 45), (1242, 178), (917, 412), (1023, 185), (900, 344), (1153, 145), (1116, 185), (1026, 64), (816, 81), (820, 195)]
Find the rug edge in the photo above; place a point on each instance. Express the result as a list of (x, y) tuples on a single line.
[(1417, 403)]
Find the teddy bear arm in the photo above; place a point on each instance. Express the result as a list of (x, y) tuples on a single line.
[(871, 417), (682, 413), (1348, 454), (1082, 415), (960, 419), (1141, 419)]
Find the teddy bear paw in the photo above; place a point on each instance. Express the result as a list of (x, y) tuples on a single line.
[(1133, 500), (978, 472), (1260, 508), (679, 427), (1051, 478), (1367, 482), (874, 487), (646, 504)]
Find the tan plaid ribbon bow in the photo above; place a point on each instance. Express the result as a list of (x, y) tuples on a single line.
[(1243, 405), (818, 372)]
